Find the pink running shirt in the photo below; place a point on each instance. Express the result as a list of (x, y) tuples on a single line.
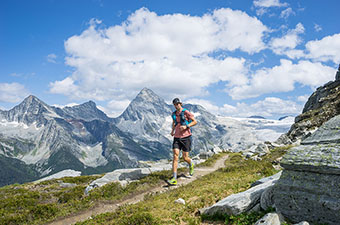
[(187, 132)]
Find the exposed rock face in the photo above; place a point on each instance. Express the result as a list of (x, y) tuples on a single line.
[(242, 202), (83, 138), (309, 187), (322, 105), (269, 219)]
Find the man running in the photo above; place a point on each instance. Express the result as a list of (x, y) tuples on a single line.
[(182, 121)]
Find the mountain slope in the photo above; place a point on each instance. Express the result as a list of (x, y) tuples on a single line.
[(321, 106), (83, 138)]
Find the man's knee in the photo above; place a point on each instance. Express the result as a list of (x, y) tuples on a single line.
[(186, 157), (176, 155)]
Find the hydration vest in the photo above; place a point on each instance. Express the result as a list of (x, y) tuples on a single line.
[(183, 121)]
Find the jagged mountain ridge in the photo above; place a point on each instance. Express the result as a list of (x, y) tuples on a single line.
[(321, 106), (52, 139), (83, 138)]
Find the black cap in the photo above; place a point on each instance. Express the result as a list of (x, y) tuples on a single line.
[(176, 101)]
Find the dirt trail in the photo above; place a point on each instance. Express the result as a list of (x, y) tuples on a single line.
[(110, 207)]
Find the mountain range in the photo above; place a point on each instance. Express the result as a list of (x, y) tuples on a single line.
[(37, 139)]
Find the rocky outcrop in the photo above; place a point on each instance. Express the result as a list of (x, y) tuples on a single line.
[(244, 201), (322, 105), (124, 176), (269, 219), (309, 187), (337, 76)]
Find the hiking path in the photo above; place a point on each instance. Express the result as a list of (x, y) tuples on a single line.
[(161, 188)]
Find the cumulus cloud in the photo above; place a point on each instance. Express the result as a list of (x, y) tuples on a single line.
[(268, 107), (269, 3), (326, 49), (206, 104), (12, 92), (116, 107), (282, 78), (171, 54), (52, 58), (317, 27), (287, 43), (286, 13), (303, 98)]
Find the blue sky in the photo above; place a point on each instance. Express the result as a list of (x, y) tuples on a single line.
[(236, 58)]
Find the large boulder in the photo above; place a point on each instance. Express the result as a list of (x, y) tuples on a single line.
[(270, 219), (309, 187), (241, 202)]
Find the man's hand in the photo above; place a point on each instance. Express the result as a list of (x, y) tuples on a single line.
[(172, 133)]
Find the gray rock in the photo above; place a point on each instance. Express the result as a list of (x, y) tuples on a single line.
[(256, 158), (304, 195), (267, 199), (283, 140), (266, 179), (124, 176), (240, 202), (302, 223), (309, 187), (329, 132), (206, 155), (180, 201), (67, 185), (269, 219), (256, 208), (321, 158)]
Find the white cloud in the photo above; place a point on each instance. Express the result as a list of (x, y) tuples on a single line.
[(287, 44), (303, 98), (67, 105), (326, 49), (168, 53), (317, 27), (286, 13), (269, 3), (268, 107), (12, 92), (210, 107), (52, 58), (282, 78), (116, 107), (261, 11)]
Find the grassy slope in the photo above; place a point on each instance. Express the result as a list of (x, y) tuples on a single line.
[(161, 208), (39, 203)]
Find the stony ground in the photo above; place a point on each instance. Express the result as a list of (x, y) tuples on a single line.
[(100, 208)]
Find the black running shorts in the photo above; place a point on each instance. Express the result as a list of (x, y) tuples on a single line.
[(183, 144)]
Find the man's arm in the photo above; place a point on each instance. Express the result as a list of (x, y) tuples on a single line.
[(173, 129), (193, 122)]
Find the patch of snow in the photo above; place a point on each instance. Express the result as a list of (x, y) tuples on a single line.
[(196, 114), (51, 114), (61, 174), (40, 154), (92, 155), (19, 130)]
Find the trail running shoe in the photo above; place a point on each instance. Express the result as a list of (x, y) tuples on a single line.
[(191, 169), (173, 181)]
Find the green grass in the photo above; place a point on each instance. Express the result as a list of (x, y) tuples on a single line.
[(37, 203), (46, 201), (203, 192)]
